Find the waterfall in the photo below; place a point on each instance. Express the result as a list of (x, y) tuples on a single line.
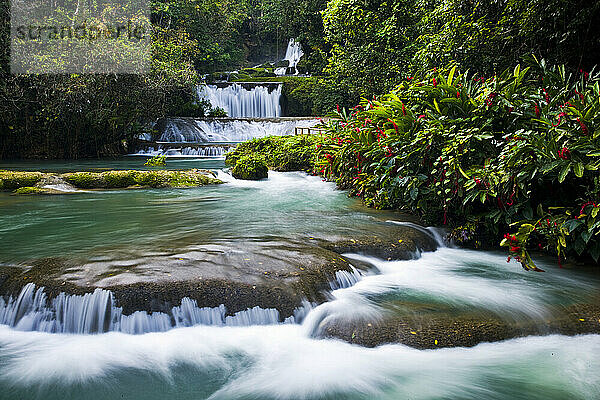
[(96, 312), (244, 100), (345, 279), (217, 135), (293, 54)]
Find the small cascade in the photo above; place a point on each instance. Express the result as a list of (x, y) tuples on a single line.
[(437, 234), (244, 100), (189, 137), (96, 313), (293, 54), (345, 279)]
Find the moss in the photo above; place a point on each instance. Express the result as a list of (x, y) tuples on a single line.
[(85, 180), (250, 168), (114, 179), (119, 179), (27, 190), (11, 180)]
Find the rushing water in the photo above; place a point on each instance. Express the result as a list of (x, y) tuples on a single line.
[(198, 353), (293, 54), (241, 100)]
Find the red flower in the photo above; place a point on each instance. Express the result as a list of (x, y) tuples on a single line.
[(457, 94), (393, 123), (564, 153), (584, 128), (514, 249), (338, 107), (403, 109), (434, 82)]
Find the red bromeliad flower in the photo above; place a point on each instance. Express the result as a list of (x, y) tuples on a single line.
[(434, 82), (515, 249), (584, 128), (490, 99), (457, 94), (338, 107), (537, 110), (586, 75), (564, 153), (403, 109), (393, 123)]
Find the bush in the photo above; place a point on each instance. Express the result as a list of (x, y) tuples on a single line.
[(279, 153), (250, 168), (516, 152)]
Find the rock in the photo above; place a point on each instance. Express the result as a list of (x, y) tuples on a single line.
[(447, 330)]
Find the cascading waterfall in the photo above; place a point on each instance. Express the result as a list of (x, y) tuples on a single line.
[(96, 312), (244, 100), (224, 133), (293, 54)]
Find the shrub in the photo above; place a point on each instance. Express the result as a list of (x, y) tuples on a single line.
[(250, 168), (517, 152)]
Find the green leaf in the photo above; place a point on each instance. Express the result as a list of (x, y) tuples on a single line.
[(451, 75), (563, 173), (578, 169)]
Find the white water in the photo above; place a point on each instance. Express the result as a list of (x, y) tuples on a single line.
[(96, 312), (238, 101), (293, 54), (287, 361), (187, 130), (204, 131), (279, 362)]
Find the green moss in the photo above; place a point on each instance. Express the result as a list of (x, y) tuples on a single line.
[(11, 180), (112, 179), (119, 179), (250, 168), (27, 190), (85, 180)]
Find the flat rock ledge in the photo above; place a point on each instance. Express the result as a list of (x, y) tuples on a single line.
[(462, 331), (32, 182), (278, 274)]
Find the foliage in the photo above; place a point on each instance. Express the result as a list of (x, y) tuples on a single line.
[(156, 161), (250, 168), (279, 153), (516, 151)]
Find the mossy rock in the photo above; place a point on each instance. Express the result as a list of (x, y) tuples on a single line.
[(250, 168), (85, 180), (120, 179), (11, 180), (29, 190)]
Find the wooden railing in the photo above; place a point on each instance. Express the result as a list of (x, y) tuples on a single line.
[(308, 131)]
